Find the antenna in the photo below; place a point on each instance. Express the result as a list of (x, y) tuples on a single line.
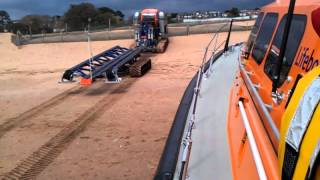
[(226, 47), (283, 48)]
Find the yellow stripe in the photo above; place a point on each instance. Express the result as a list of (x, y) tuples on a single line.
[(308, 146), (302, 86)]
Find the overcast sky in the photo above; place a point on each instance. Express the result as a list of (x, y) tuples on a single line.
[(19, 8)]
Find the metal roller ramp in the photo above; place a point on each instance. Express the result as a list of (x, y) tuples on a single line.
[(106, 64)]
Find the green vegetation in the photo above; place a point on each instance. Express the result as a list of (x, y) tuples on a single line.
[(78, 15), (233, 12), (76, 18), (38, 23), (4, 20)]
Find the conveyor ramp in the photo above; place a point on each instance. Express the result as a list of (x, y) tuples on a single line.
[(105, 64)]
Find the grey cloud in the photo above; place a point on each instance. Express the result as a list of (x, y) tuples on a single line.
[(19, 8)]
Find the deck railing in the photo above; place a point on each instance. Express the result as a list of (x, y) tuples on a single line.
[(187, 139)]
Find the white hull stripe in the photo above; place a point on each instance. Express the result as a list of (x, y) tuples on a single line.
[(303, 115)]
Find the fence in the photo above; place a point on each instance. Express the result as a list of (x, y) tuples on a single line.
[(126, 33)]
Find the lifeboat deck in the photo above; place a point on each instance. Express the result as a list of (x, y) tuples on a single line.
[(209, 158)]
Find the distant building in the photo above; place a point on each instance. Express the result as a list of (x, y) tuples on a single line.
[(225, 15), (251, 13), (213, 14)]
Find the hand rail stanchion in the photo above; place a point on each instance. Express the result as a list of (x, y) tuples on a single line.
[(187, 140)]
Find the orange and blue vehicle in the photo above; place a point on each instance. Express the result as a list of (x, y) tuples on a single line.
[(151, 30)]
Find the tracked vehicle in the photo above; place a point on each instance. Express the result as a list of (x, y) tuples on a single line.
[(151, 30), (272, 113), (110, 64), (151, 35)]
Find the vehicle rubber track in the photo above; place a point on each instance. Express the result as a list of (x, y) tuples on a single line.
[(33, 165), (139, 68), (162, 46)]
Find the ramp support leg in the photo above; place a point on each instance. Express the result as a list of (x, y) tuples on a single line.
[(113, 77)]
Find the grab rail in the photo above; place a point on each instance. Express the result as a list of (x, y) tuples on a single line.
[(261, 104), (252, 142)]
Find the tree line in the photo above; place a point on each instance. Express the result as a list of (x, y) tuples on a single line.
[(76, 18)]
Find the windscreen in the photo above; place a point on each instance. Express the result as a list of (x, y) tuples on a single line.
[(148, 18)]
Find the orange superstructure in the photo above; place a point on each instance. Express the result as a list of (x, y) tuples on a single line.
[(256, 76), (150, 12)]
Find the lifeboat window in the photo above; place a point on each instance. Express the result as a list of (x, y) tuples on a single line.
[(254, 32), (295, 36), (264, 37)]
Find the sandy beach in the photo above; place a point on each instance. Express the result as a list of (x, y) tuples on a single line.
[(128, 123)]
